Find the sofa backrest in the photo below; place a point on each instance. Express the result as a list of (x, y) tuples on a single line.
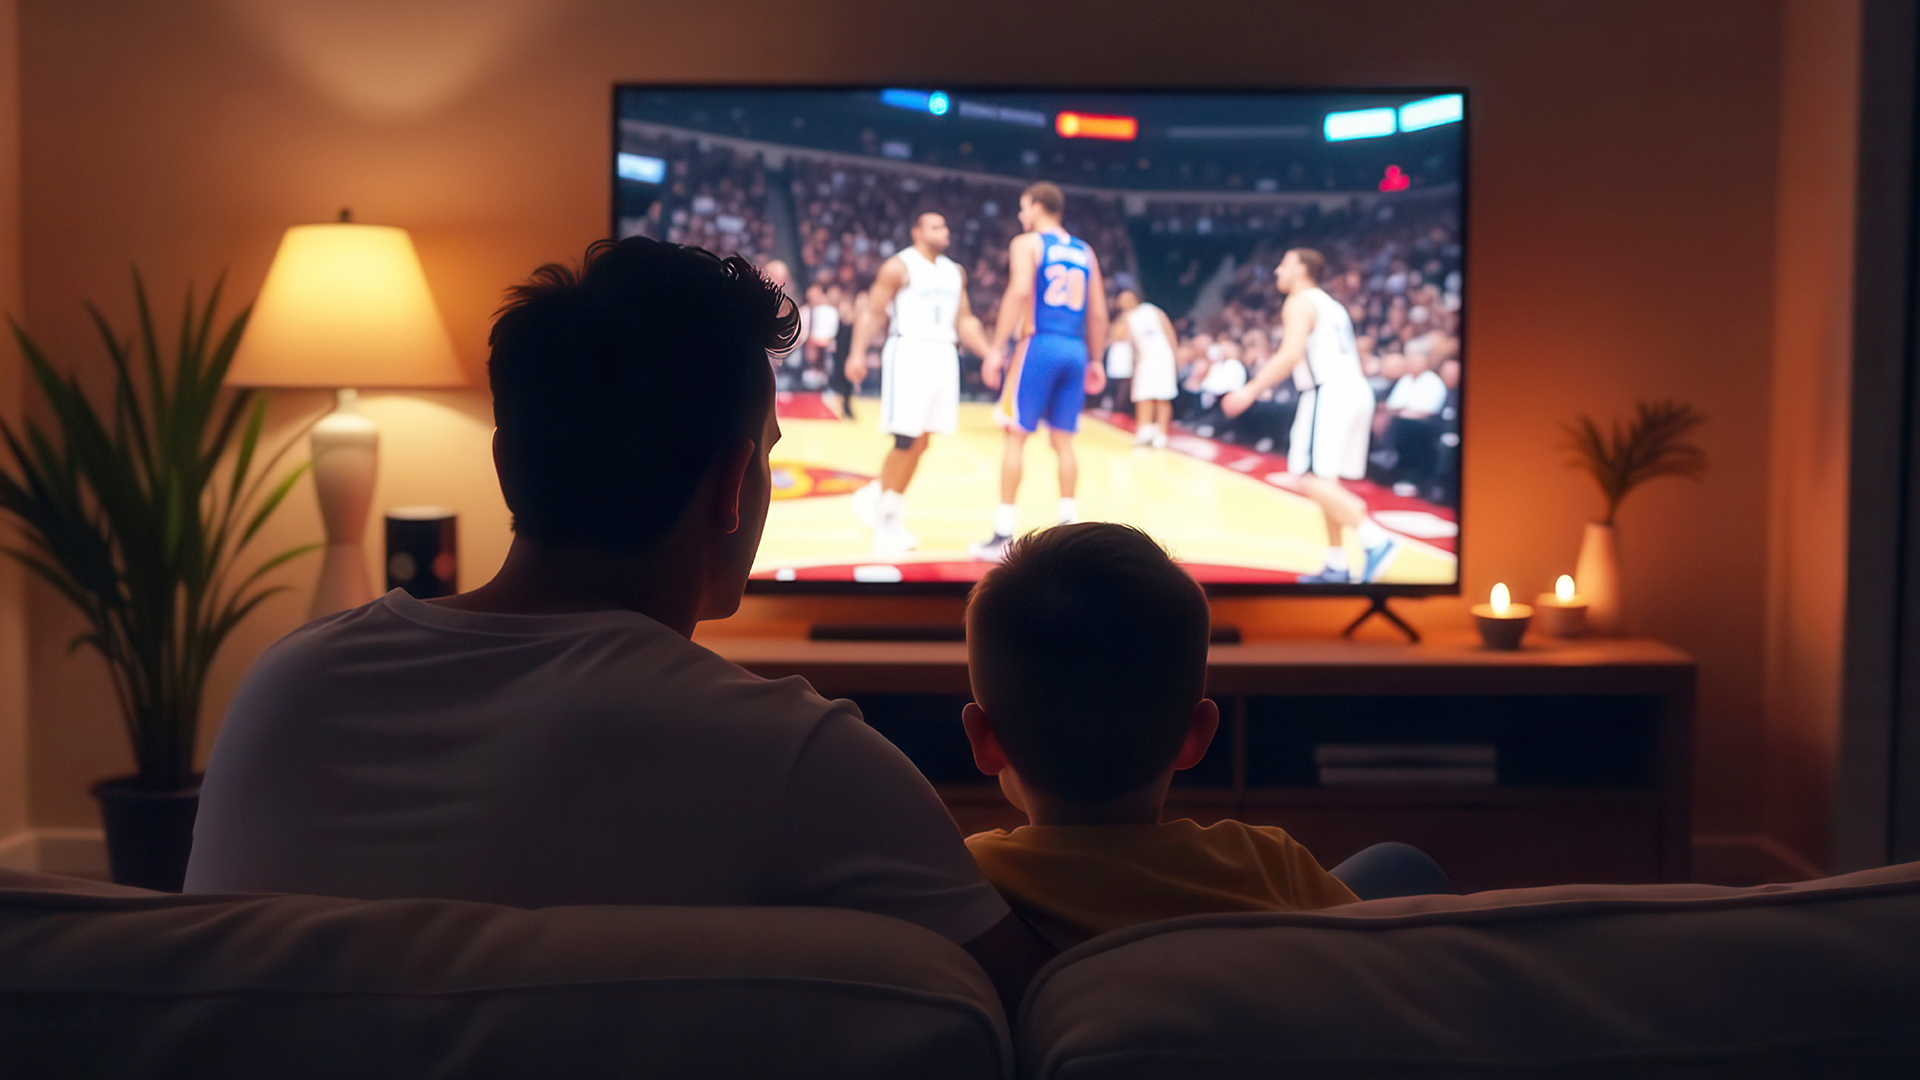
[(96, 980), (1815, 979)]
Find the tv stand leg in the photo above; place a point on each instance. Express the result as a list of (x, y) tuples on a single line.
[(1377, 605)]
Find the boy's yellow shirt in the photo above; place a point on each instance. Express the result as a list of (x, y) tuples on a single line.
[(1073, 882)]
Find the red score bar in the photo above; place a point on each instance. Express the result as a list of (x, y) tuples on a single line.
[(1072, 125)]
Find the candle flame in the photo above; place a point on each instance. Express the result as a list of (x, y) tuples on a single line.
[(1563, 588), (1500, 599)]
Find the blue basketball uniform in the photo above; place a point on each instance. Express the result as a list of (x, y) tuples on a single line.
[(1048, 378)]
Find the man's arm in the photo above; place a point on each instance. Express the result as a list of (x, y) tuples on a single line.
[(1022, 258), (1097, 326), (972, 333), (1296, 322), (892, 275)]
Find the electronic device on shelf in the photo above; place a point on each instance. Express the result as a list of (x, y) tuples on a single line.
[(1188, 201)]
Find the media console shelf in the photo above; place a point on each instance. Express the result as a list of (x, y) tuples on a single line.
[(1588, 746)]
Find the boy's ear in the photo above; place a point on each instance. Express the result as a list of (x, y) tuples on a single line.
[(987, 755), (1206, 721)]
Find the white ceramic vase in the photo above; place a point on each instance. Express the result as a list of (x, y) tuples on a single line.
[(1597, 575)]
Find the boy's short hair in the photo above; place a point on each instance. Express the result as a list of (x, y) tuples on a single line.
[(618, 385), (1087, 648)]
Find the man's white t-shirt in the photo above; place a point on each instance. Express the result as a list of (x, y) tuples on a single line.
[(404, 749), (824, 324), (1425, 393), (1224, 377)]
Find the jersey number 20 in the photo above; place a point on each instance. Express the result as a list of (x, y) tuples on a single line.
[(1066, 287)]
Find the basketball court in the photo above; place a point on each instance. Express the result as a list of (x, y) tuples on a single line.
[(1225, 511)]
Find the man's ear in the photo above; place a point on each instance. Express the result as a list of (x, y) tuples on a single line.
[(506, 483), (1200, 732), (987, 755), (729, 475)]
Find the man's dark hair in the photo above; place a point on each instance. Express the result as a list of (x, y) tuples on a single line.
[(1315, 262), (1088, 646), (616, 387), (1046, 195)]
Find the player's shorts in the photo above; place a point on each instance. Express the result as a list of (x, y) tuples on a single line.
[(919, 387), (1047, 381), (1120, 360), (1153, 376), (1331, 431)]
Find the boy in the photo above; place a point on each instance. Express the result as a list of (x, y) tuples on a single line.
[(1087, 649)]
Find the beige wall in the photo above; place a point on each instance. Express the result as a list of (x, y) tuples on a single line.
[(13, 625), (1807, 526), (1622, 238)]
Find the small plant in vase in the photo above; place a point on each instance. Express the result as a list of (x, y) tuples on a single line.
[(1655, 444), (138, 513)]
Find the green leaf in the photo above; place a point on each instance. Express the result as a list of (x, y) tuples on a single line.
[(272, 502), (124, 512)]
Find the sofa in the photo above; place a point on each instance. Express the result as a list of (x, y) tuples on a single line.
[(1819, 978)]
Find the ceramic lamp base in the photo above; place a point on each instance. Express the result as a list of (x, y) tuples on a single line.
[(346, 456)]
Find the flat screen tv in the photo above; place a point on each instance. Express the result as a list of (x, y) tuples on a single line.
[(1308, 246)]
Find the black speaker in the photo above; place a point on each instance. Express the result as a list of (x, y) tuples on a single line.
[(422, 551)]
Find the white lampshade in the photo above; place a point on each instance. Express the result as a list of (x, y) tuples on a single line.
[(346, 305)]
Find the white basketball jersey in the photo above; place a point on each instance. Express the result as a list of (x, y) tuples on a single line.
[(1148, 333), (1331, 354), (928, 304)]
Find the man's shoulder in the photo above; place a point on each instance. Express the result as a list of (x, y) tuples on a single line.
[(611, 665)]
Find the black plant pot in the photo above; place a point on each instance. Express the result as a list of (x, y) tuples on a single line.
[(149, 833)]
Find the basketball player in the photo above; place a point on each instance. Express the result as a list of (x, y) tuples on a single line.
[(921, 295), (1155, 382), (1334, 418), (1053, 278)]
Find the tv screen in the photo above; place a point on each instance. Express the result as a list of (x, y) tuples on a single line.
[(1233, 319)]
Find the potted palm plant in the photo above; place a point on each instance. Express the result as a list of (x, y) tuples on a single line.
[(138, 512), (1656, 443)]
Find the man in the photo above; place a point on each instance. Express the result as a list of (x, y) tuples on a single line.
[(921, 297), (1418, 394), (1332, 423), (1155, 382), (1053, 278), (554, 737), (823, 326)]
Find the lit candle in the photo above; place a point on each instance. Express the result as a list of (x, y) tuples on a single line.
[(1502, 622), (1563, 612)]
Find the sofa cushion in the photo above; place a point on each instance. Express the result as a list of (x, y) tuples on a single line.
[(99, 980), (1814, 979)]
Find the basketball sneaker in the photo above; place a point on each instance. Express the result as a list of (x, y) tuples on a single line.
[(1143, 436), (993, 550), (893, 536), (1379, 557), (866, 505), (1329, 576), (1159, 437)]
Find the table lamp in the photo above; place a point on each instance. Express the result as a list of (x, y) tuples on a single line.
[(345, 307)]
